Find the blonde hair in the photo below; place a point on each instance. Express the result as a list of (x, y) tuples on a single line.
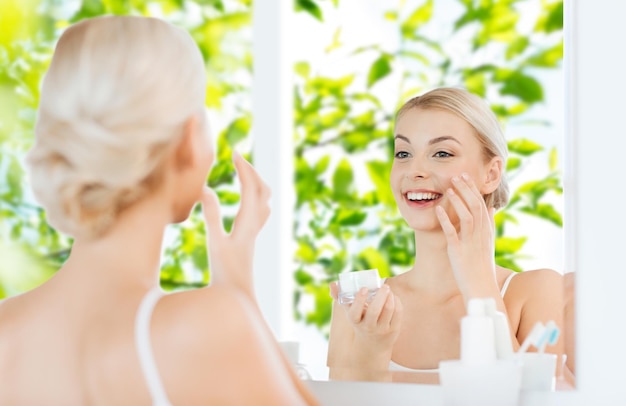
[(114, 101), (477, 113)]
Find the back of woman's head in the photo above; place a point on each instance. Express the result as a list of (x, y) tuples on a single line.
[(113, 103), (477, 113)]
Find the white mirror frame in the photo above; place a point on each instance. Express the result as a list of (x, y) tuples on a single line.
[(594, 216)]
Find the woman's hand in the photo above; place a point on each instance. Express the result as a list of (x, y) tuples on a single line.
[(376, 326), (231, 255), (471, 248)]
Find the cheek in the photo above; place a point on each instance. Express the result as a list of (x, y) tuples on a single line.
[(395, 179)]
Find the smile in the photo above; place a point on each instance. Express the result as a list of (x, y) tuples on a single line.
[(422, 196)]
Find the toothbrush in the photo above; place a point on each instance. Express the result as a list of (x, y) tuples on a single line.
[(532, 338), (550, 336)]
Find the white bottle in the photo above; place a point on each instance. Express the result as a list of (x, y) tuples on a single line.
[(292, 351), (477, 335), (504, 347)]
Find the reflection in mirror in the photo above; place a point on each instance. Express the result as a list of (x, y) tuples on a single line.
[(351, 77)]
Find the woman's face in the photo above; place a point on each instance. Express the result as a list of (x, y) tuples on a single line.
[(431, 147)]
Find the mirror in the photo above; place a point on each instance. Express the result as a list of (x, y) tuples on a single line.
[(377, 54), (363, 61)]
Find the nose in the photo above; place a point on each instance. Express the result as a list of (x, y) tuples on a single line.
[(417, 170)]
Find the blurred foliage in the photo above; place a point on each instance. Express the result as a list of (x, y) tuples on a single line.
[(342, 129), (339, 227), (30, 249)]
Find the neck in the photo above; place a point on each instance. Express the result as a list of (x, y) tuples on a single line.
[(432, 270), (128, 254)]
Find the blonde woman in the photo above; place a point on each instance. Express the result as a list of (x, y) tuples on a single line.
[(122, 150), (448, 179)]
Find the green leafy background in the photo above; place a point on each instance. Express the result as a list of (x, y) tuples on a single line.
[(345, 215)]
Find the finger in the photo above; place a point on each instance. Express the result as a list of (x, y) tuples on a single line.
[(388, 310), (255, 194), (465, 216), (334, 290), (468, 193), (356, 310), (396, 320), (474, 200), (448, 229), (471, 185), (375, 307), (211, 212)]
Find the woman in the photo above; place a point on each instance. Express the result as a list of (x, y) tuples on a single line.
[(448, 179), (122, 150)]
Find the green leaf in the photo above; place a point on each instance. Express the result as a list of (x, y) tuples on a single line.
[(419, 17), (477, 84), (508, 245), (551, 19), (303, 69), (322, 164), (522, 86), (88, 9), (380, 172), (310, 7), (553, 159), (348, 217), (356, 141), (513, 163), (306, 252), (524, 147), (336, 41), (517, 47), (343, 181), (227, 197), (379, 69), (302, 277), (547, 58), (323, 305), (546, 212), (238, 130), (371, 258)]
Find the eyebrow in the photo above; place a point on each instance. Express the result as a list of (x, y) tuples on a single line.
[(430, 142)]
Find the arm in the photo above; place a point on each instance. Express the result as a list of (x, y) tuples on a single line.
[(231, 256), (538, 295), (471, 247)]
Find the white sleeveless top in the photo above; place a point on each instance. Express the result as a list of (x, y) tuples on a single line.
[(397, 367), (144, 348)]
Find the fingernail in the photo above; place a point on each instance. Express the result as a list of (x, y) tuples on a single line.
[(450, 192), (363, 291), (236, 154), (465, 176), (455, 179)]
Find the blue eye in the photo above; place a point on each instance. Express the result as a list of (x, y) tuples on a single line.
[(442, 154), (401, 154)]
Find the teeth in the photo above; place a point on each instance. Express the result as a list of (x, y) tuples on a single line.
[(421, 196)]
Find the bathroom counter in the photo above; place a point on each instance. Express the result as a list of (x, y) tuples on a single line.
[(342, 393)]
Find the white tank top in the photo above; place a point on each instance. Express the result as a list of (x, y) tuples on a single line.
[(144, 348)]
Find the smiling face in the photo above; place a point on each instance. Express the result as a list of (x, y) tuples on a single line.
[(431, 147)]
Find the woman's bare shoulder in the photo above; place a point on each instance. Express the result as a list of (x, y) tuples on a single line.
[(534, 288), (209, 341), (544, 277), (213, 313)]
